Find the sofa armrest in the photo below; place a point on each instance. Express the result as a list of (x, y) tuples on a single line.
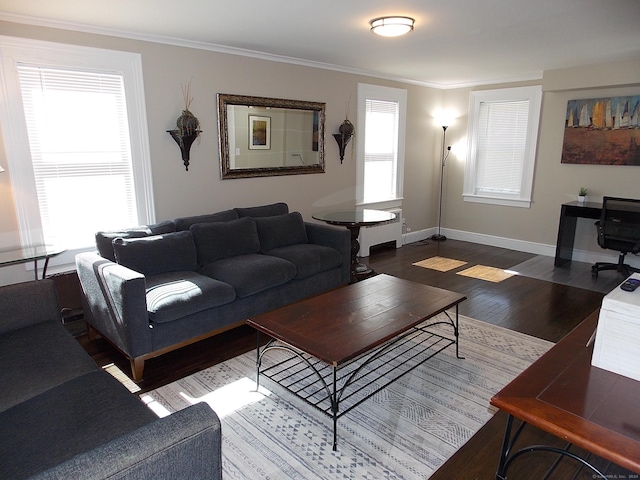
[(334, 237), (25, 304), (114, 299), (186, 444)]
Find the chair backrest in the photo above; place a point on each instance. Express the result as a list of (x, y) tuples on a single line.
[(620, 224)]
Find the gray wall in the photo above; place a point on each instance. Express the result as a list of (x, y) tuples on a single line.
[(535, 228), (200, 190)]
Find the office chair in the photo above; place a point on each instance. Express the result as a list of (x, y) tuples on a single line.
[(619, 229)]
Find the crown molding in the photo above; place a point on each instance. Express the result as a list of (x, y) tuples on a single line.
[(180, 42)]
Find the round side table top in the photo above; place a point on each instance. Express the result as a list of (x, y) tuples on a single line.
[(355, 217)]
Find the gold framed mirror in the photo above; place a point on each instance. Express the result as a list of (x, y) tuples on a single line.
[(260, 136)]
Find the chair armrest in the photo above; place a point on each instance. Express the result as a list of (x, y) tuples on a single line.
[(334, 237), (186, 444), (115, 304), (28, 303)]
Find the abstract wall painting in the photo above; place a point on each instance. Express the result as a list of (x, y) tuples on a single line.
[(602, 131)]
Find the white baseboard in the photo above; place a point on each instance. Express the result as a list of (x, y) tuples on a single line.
[(585, 256)]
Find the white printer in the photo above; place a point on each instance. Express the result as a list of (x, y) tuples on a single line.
[(617, 342)]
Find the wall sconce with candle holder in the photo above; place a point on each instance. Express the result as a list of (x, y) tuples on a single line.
[(188, 127), (344, 137)]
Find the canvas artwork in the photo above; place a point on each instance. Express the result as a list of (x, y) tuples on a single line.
[(602, 131)]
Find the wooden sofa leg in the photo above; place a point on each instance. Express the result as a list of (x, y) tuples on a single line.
[(137, 366), (92, 333)]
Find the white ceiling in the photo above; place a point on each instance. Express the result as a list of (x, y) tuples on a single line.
[(455, 42)]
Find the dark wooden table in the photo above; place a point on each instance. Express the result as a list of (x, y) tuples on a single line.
[(355, 219), (363, 321), (561, 393)]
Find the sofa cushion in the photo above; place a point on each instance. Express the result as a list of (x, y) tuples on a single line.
[(225, 239), (280, 231), (249, 274), (156, 254), (177, 294), (37, 358), (184, 223), (72, 418), (279, 208), (309, 258), (104, 239)]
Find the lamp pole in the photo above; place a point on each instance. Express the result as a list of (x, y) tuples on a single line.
[(439, 237)]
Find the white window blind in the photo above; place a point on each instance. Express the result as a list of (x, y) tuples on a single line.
[(80, 151), (502, 138), (502, 135), (381, 153)]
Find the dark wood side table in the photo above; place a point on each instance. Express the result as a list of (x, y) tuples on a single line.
[(30, 253), (561, 393), (353, 220)]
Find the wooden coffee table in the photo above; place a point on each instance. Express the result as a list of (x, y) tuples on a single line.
[(339, 348)]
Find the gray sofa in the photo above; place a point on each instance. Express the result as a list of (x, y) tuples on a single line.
[(153, 289), (61, 417)]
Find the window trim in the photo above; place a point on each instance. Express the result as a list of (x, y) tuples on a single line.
[(534, 95), (18, 50), (377, 92)]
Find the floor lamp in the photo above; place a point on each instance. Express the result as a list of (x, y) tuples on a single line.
[(438, 237)]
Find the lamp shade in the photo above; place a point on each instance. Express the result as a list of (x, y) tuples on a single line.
[(391, 26)]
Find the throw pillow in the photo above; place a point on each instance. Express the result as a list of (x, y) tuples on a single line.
[(218, 240), (104, 240), (184, 223), (280, 231), (172, 252)]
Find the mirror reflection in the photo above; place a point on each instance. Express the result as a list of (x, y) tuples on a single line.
[(262, 136)]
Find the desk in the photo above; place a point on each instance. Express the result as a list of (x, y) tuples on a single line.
[(561, 393), (569, 213), (30, 253), (353, 220)]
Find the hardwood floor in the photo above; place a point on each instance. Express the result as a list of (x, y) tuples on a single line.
[(535, 307)]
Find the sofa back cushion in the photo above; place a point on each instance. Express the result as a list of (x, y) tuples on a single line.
[(104, 240), (279, 208), (218, 240), (157, 254), (184, 223), (280, 231)]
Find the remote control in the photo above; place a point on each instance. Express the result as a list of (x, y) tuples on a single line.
[(630, 284)]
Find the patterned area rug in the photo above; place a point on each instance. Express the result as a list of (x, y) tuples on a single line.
[(440, 264), (405, 431)]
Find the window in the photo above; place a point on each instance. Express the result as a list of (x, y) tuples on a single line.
[(84, 135), (380, 162), (503, 129)]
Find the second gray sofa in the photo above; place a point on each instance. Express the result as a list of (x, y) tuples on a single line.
[(61, 417)]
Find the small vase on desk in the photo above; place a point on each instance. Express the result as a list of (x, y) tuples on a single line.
[(582, 198)]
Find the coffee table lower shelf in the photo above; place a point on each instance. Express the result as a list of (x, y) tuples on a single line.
[(337, 389)]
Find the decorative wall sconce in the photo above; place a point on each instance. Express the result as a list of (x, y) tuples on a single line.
[(184, 142), (188, 127), (346, 132)]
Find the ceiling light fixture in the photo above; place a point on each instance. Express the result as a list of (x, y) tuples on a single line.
[(391, 26)]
